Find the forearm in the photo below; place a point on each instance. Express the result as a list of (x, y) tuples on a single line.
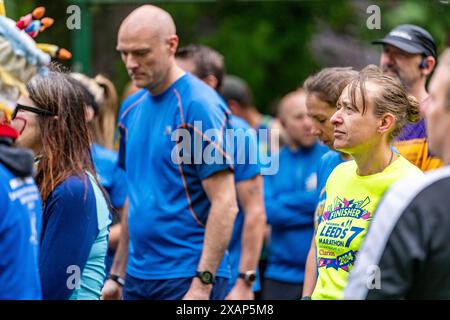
[(250, 195), (221, 193), (217, 235), (114, 230), (310, 271), (121, 255), (252, 239), (114, 236)]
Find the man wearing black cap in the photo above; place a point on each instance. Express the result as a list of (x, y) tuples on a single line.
[(409, 53)]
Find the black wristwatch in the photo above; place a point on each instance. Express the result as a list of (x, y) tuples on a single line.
[(249, 276), (205, 277), (120, 281)]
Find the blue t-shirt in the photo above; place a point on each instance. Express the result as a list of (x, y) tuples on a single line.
[(168, 207), (246, 167), (328, 162), (290, 198), (74, 240), (110, 175), (20, 226)]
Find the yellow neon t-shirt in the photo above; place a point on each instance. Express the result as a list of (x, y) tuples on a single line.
[(349, 207)]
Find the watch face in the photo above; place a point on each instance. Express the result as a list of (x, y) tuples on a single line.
[(206, 277), (251, 277)]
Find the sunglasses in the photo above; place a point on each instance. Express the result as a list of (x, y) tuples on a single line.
[(36, 110)]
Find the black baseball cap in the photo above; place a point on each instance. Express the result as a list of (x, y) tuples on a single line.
[(410, 38)]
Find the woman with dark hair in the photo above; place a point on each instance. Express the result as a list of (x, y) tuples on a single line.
[(101, 102), (76, 216), (371, 111)]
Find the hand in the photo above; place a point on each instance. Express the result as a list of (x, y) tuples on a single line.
[(198, 290), (241, 291), (111, 291)]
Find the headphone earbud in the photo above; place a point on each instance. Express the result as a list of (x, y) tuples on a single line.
[(423, 64)]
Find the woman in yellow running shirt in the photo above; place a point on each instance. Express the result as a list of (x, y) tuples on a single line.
[(371, 112)]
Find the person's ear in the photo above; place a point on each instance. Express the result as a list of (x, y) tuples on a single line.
[(282, 121), (234, 107), (211, 81), (90, 114), (427, 65), (386, 123), (172, 44)]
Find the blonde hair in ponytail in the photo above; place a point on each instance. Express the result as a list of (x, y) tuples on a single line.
[(105, 96), (105, 123), (413, 109)]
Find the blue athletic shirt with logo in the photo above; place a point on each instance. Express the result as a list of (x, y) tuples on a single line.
[(246, 167), (168, 206), (20, 226)]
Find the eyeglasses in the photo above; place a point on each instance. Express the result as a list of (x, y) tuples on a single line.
[(19, 123), (36, 110)]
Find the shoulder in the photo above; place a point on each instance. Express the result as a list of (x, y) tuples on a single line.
[(320, 150), (345, 167), (70, 200), (330, 156), (207, 104), (132, 98), (74, 188), (284, 152), (342, 172), (238, 123), (415, 199), (328, 162), (198, 99), (408, 169), (411, 186), (104, 154), (5, 175), (131, 101)]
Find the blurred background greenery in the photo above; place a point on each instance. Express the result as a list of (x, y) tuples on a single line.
[(274, 45)]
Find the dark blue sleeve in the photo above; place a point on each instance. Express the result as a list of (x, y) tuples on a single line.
[(70, 229)]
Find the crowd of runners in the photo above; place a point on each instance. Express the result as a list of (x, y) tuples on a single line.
[(182, 189)]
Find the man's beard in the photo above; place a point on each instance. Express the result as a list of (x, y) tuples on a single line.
[(390, 69), (394, 70)]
